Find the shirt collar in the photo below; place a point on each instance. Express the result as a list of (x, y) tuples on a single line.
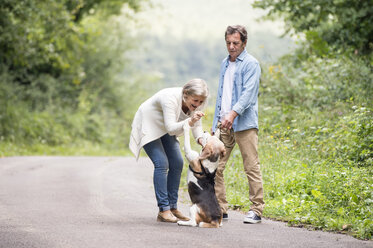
[(241, 56)]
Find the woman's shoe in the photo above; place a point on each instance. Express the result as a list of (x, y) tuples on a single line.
[(179, 215), (166, 216)]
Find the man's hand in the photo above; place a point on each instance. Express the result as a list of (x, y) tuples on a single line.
[(228, 119), (195, 117)]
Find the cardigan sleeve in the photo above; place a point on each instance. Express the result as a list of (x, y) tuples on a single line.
[(170, 111), (170, 107)]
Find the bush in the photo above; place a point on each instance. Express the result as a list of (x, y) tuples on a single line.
[(317, 83), (355, 138)]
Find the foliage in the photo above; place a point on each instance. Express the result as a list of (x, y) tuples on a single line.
[(343, 24), (318, 82), (44, 49), (355, 145), (316, 145), (36, 47), (64, 81), (82, 8), (307, 181)]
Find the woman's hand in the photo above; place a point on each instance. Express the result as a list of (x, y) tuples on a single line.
[(195, 117)]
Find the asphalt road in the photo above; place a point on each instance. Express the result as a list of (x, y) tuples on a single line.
[(109, 202)]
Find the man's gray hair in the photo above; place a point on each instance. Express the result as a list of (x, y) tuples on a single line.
[(237, 29)]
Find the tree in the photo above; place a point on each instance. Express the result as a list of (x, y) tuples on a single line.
[(342, 24), (59, 71), (80, 8), (43, 44)]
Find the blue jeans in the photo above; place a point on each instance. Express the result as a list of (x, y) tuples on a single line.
[(168, 164)]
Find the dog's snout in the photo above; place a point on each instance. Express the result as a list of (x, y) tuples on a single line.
[(214, 157)]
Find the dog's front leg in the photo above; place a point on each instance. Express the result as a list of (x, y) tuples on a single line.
[(189, 153)]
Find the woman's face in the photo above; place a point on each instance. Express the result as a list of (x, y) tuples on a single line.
[(192, 102)]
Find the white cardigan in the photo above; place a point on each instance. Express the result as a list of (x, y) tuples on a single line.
[(158, 115)]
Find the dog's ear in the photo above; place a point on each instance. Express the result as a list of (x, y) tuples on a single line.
[(223, 152), (206, 152), (196, 166)]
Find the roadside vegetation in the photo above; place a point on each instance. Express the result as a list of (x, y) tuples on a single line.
[(66, 84), (316, 122), (67, 88), (315, 147)]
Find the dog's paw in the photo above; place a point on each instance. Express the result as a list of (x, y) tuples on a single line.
[(191, 155), (212, 224), (186, 223), (202, 224), (205, 137), (182, 223)]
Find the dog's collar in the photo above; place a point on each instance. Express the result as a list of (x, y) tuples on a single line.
[(199, 173)]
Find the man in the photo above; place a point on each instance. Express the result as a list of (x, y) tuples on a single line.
[(236, 114)]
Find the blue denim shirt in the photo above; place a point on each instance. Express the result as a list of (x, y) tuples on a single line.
[(245, 92)]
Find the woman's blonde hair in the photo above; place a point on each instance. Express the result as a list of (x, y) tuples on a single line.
[(196, 87)]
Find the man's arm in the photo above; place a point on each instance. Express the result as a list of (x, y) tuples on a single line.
[(245, 100)]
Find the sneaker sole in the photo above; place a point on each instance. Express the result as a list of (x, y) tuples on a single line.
[(251, 221)]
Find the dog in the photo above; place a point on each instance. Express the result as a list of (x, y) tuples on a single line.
[(205, 210)]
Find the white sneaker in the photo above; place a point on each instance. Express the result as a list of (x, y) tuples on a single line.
[(252, 218)]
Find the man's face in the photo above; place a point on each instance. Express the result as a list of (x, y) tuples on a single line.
[(234, 45)]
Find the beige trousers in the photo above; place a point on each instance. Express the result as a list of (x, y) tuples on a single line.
[(247, 141)]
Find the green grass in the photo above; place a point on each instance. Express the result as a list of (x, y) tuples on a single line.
[(82, 148), (317, 169), (307, 182)]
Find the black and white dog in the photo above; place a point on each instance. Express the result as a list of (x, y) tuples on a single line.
[(205, 211)]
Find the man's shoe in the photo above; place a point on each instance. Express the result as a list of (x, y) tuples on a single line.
[(225, 216), (252, 218), (179, 215), (166, 216)]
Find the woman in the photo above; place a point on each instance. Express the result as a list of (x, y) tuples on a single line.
[(155, 126)]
